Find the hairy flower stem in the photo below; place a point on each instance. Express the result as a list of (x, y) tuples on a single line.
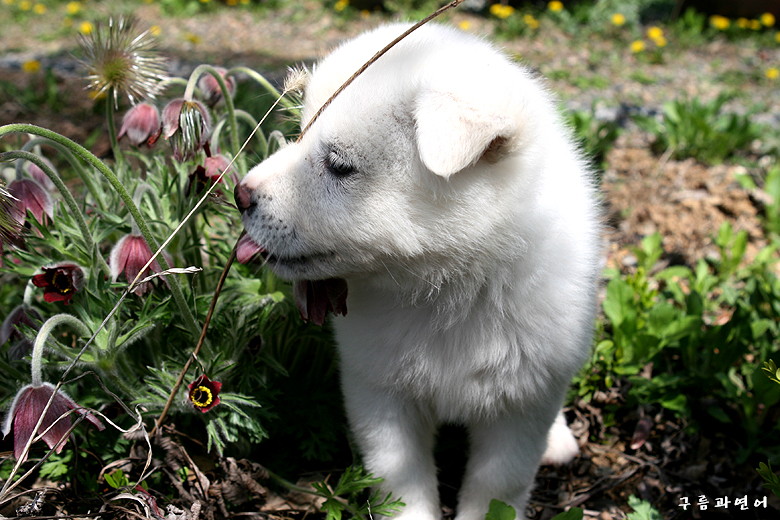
[(87, 156), (112, 134), (85, 177), (73, 206), (43, 335)]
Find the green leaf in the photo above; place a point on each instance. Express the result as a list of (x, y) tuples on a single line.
[(116, 479), (643, 510), (500, 511), (575, 513)]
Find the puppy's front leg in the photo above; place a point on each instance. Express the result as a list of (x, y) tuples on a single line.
[(505, 455), (396, 440)]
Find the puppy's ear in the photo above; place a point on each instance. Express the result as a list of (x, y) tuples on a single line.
[(454, 133)]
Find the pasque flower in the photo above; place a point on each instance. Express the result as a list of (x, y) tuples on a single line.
[(119, 61), (9, 223), (141, 124), (129, 256), (204, 393), (210, 88), (60, 282), (212, 168), (31, 196), (26, 410), (187, 124)]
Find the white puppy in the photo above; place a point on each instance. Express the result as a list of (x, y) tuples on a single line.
[(443, 191)]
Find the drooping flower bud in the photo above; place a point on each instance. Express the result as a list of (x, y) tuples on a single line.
[(187, 124), (209, 86), (33, 197), (141, 124)]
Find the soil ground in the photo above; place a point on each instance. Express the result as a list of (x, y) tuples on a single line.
[(685, 201)]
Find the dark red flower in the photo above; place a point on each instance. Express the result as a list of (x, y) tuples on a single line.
[(129, 256), (204, 393), (141, 124), (26, 409), (316, 298), (60, 282)]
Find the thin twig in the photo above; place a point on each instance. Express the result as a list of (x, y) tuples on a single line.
[(375, 57), (201, 339)]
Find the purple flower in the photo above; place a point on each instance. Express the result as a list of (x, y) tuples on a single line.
[(31, 196), (129, 256), (59, 282), (204, 393), (187, 124), (212, 168), (34, 171), (210, 88), (141, 124), (26, 409)]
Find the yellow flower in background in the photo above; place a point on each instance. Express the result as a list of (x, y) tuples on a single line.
[(772, 73), (637, 46), (86, 28), (777, 37), (192, 38), (555, 6), (530, 21), (25, 5), (8, 2), (767, 20), (464, 25), (719, 22), (618, 19), (31, 66), (755, 25), (743, 23), (155, 30), (502, 11), (39, 9), (73, 8), (232, 3), (340, 5), (660, 42), (655, 32)]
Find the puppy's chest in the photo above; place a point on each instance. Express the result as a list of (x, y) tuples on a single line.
[(471, 368)]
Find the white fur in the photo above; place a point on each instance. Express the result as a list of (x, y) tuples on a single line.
[(468, 238)]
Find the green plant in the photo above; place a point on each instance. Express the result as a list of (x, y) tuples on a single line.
[(691, 340), (701, 130), (352, 494), (643, 510), (135, 313), (597, 137), (499, 510)]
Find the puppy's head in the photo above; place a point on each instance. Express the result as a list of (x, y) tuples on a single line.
[(410, 165)]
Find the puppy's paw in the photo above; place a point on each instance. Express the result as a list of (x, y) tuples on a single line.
[(562, 447)]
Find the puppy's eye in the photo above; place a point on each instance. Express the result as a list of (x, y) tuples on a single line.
[(338, 165)]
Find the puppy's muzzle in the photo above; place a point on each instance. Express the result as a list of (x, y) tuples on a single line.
[(243, 197)]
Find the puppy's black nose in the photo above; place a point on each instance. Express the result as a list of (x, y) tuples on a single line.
[(243, 196)]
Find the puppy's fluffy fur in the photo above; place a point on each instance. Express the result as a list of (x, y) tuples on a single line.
[(444, 188)]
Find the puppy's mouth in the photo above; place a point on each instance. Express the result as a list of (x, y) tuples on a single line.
[(314, 298)]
